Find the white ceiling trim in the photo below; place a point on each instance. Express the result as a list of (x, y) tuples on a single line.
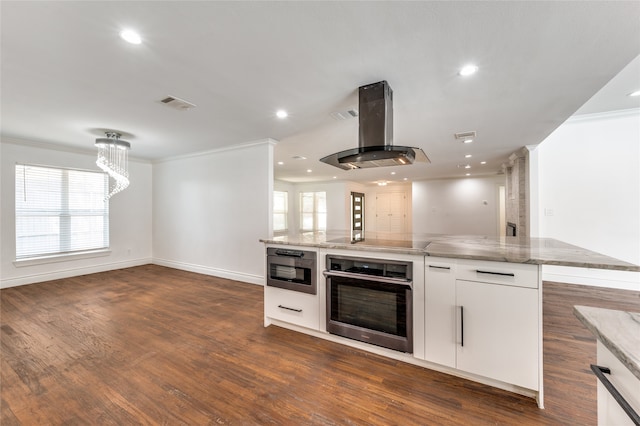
[(604, 115), (61, 148), (260, 142)]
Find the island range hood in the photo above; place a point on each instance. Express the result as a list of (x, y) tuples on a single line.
[(375, 141)]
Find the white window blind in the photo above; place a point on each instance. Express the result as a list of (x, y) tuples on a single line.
[(60, 211), (280, 210), (313, 211)]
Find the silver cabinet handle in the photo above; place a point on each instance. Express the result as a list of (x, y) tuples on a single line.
[(289, 309), (440, 267)]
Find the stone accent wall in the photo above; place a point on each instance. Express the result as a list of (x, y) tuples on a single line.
[(517, 189)]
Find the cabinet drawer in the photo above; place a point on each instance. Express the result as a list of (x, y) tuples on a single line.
[(516, 274), (609, 410), (293, 307)]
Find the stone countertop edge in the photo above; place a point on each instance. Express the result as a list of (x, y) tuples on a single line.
[(619, 331), (577, 257)]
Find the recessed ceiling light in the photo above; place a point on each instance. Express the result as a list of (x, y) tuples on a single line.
[(382, 183), (131, 36), (467, 141), (282, 113), (393, 173), (468, 156), (483, 162), (636, 93), (404, 178), (468, 174), (335, 177), (309, 170), (467, 166), (468, 70), (280, 163)]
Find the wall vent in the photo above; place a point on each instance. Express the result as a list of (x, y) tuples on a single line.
[(177, 103)]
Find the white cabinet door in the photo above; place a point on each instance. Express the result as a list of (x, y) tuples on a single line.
[(609, 410), (440, 311), (292, 306), (497, 328)]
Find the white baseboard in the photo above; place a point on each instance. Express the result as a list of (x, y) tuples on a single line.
[(71, 272), (207, 270), (623, 280)]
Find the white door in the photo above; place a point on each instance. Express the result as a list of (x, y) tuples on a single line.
[(391, 212), (440, 311), (497, 332)]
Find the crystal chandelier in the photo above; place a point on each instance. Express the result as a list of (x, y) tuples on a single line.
[(113, 159)]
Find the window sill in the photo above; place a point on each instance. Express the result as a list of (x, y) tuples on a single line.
[(61, 258)]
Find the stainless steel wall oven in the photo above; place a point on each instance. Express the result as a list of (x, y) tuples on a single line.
[(370, 300), (292, 269)]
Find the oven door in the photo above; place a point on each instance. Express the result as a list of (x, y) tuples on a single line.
[(375, 310)]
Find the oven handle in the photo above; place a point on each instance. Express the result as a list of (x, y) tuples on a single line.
[(290, 253), (367, 277)]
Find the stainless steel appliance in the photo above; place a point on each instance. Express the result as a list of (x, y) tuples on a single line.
[(375, 141), (292, 269), (370, 300)]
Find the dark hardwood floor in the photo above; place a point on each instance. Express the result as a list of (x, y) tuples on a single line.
[(153, 345)]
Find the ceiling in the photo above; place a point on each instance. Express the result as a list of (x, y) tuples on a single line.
[(66, 76)]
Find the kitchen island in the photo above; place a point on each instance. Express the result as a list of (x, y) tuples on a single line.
[(536, 251), (618, 363), (475, 302)]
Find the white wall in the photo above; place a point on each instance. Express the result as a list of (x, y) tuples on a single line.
[(211, 209), (589, 193), (129, 213), (457, 206)]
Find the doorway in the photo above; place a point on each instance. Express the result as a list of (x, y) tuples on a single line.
[(391, 213), (502, 208)]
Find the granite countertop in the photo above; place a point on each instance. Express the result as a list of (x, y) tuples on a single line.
[(619, 331), (537, 251)]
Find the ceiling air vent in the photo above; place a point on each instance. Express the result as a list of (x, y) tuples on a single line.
[(465, 135), (177, 103), (344, 115)]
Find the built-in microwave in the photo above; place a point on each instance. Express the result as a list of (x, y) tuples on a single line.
[(292, 269)]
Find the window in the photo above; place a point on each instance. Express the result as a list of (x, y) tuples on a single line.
[(313, 211), (60, 211), (357, 215), (280, 210)]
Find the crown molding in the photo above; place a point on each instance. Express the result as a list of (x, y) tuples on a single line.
[(58, 147), (603, 115), (268, 141)]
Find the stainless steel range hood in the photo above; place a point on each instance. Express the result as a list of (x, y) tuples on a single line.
[(375, 142)]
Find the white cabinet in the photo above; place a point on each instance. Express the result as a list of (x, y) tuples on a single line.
[(498, 332), (440, 311), (484, 318), (292, 307), (609, 410)]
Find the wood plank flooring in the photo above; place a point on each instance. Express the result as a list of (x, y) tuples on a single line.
[(153, 345)]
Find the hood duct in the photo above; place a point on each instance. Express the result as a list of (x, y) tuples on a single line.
[(375, 135)]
